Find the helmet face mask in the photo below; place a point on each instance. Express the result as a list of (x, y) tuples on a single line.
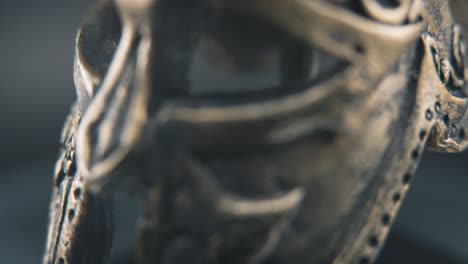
[(264, 131), (240, 62)]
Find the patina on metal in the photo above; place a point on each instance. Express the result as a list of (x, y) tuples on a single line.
[(261, 131)]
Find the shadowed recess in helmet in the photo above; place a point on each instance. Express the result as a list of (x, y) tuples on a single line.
[(229, 54)]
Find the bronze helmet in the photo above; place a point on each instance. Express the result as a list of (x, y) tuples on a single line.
[(254, 131)]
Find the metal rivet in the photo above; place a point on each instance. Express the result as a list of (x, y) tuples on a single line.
[(386, 219), (407, 178), (429, 115)]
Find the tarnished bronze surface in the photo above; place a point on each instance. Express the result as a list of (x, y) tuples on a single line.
[(261, 131)]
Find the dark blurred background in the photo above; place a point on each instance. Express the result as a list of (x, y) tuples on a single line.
[(36, 90)]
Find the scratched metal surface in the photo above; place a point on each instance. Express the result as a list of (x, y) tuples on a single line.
[(35, 98)]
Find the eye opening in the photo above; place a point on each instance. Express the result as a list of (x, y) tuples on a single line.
[(269, 62), (233, 55)]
